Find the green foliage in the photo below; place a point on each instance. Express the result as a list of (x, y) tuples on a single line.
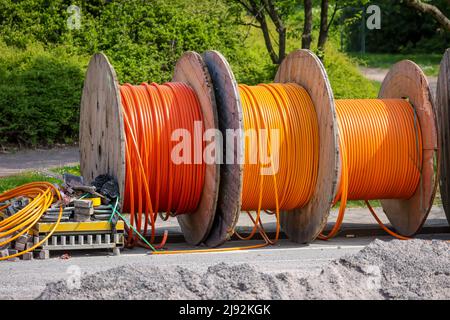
[(42, 62), (428, 62), (39, 95), (346, 80), (403, 29)]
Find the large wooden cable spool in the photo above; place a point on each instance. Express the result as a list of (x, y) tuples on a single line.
[(102, 136), (443, 116), (404, 80), (304, 224)]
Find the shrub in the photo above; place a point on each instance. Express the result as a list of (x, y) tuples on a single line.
[(40, 94)]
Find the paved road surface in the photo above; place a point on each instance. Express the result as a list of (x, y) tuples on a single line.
[(33, 160), (378, 74)]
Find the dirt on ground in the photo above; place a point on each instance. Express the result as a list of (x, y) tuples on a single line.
[(415, 269)]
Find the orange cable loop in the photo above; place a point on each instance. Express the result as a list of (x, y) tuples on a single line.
[(41, 195)]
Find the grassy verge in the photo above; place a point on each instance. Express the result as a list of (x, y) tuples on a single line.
[(428, 62), (10, 182)]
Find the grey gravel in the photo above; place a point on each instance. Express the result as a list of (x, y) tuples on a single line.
[(415, 269)]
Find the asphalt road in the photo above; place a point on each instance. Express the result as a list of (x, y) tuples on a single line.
[(26, 279)]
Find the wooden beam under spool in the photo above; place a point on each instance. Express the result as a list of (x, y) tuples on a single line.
[(102, 135), (443, 117)]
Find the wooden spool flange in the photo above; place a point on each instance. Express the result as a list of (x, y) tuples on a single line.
[(406, 80), (230, 117), (192, 70), (443, 116), (102, 135), (304, 68)]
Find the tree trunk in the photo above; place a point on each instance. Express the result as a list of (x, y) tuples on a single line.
[(323, 33), (266, 33), (281, 30), (307, 27)]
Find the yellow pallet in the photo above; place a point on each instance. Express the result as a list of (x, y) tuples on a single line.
[(67, 227)]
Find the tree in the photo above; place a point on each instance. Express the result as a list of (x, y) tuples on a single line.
[(260, 9), (307, 26), (430, 9), (325, 24)]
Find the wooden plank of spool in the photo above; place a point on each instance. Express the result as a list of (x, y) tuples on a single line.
[(231, 171), (102, 136), (304, 68), (406, 80), (443, 116), (192, 70)]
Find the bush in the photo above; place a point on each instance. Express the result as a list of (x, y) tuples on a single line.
[(346, 80), (40, 94), (43, 62)]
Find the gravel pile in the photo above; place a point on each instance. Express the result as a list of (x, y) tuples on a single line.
[(415, 269)]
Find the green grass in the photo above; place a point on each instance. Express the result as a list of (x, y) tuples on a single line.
[(428, 62), (10, 182), (67, 169)]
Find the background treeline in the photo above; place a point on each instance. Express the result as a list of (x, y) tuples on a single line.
[(42, 62), (404, 30)]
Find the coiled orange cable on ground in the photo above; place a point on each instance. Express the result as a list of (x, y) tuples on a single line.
[(381, 153), (41, 195), (154, 183)]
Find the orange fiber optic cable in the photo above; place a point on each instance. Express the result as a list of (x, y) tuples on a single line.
[(154, 183), (41, 195), (288, 109), (381, 153)]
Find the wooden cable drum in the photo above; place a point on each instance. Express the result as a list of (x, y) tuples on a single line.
[(103, 134), (405, 88), (443, 116), (303, 224)]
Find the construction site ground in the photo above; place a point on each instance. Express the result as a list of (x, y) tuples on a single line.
[(27, 279)]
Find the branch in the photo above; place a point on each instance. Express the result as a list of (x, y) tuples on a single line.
[(270, 8), (250, 25), (248, 8), (336, 8), (430, 9), (275, 17), (258, 13)]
